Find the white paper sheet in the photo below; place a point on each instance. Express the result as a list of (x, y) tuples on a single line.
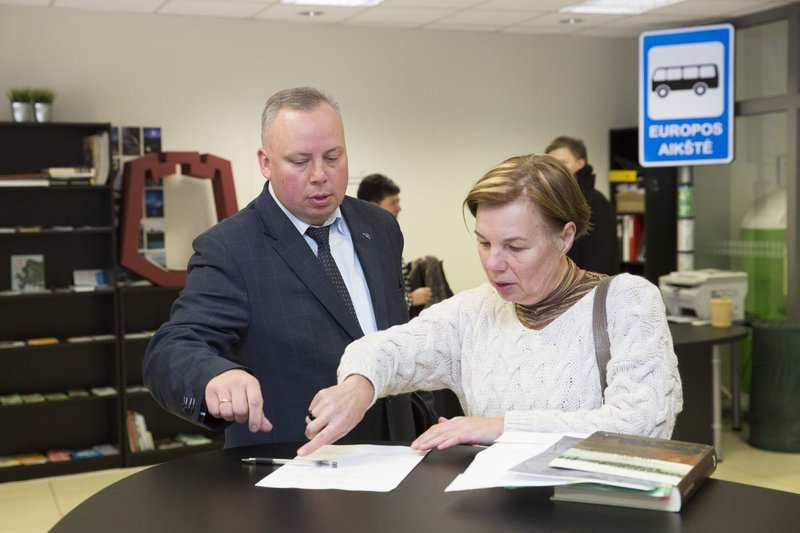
[(363, 467), (491, 467)]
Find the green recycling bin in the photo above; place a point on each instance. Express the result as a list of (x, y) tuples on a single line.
[(775, 388)]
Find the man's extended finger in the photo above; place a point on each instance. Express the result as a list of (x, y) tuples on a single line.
[(255, 404), (266, 425)]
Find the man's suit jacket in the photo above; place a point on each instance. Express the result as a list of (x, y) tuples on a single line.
[(256, 298)]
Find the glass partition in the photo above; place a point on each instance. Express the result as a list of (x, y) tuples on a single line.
[(761, 59), (742, 223)]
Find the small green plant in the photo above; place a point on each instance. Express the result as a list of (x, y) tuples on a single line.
[(43, 96), (19, 94)]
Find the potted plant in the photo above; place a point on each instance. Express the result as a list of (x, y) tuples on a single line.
[(43, 104), (21, 104)]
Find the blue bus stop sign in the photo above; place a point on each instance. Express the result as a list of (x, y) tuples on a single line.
[(686, 96)]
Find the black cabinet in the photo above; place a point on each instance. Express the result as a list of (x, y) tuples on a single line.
[(645, 202), (142, 310), (30, 146), (59, 360), (68, 358)]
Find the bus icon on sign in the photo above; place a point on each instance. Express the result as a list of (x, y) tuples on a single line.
[(698, 78)]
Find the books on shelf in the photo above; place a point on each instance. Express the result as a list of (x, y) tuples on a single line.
[(84, 279), (7, 460), (55, 396), (103, 391), (28, 229), (79, 339), (11, 344), (41, 341), (139, 335), (677, 468), (72, 181), (29, 179), (33, 458), (27, 272), (106, 449), (99, 148), (630, 230), (71, 175), (168, 444), (84, 453), (192, 439), (57, 456), (32, 397), (139, 438), (66, 173), (10, 399)]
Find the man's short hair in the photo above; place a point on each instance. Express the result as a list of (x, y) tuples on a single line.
[(375, 187), (576, 147), (303, 98)]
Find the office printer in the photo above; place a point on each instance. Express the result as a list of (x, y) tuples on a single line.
[(689, 292)]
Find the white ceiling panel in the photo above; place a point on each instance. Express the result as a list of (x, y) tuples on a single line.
[(411, 17), (293, 13), (129, 6), (211, 8), (512, 16)]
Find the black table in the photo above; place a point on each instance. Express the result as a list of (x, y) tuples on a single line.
[(699, 358), (214, 491)]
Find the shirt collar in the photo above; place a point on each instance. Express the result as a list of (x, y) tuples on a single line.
[(301, 226)]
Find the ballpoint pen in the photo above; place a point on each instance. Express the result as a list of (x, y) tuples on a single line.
[(275, 462)]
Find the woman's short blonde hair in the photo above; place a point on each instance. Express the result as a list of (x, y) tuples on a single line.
[(543, 180)]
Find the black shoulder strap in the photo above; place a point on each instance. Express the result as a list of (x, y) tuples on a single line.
[(602, 345)]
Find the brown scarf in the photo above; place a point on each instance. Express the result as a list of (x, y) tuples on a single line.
[(575, 285)]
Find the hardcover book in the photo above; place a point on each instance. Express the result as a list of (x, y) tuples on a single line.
[(33, 179), (6, 461), (70, 172), (27, 272), (56, 456), (33, 458), (679, 468)]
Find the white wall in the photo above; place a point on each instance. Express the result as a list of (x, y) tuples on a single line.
[(431, 109)]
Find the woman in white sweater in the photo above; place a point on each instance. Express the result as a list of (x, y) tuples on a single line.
[(519, 351)]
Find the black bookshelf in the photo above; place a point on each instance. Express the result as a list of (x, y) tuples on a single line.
[(98, 334), (72, 227), (659, 186), (32, 146), (142, 310)]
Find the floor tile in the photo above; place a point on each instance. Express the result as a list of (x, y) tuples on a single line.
[(69, 491), (27, 507)]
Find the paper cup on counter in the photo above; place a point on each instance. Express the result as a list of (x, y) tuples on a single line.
[(721, 312)]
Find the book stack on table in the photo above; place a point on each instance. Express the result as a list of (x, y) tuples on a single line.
[(626, 470)]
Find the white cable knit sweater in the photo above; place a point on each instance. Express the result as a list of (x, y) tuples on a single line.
[(545, 380)]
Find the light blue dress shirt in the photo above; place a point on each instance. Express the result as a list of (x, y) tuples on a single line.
[(344, 254)]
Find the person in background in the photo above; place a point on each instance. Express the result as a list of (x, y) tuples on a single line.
[(381, 190), (519, 351), (276, 292), (598, 249)]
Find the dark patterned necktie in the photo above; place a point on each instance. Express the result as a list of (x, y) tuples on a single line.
[(320, 235)]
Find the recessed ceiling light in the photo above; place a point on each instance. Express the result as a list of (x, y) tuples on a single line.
[(617, 7), (571, 20), (334, 3), (311, 13)]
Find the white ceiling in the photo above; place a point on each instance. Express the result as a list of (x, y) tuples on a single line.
[(507, 16)]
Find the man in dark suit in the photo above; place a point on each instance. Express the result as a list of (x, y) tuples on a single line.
[(263, 321)]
